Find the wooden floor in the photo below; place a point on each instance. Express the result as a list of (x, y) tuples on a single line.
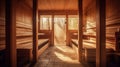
[(59, 56)]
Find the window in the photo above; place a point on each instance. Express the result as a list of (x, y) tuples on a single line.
[(73, 22), (45, 22)]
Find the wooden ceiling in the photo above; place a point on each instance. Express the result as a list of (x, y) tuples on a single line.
[(59, 4)]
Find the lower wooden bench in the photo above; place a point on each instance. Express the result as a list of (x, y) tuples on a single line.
[(42, 49), (43, 44), (24, 52), (24, 56), (75, 48), (89, 51)]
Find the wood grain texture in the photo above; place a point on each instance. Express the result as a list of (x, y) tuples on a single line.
[(24, 56), (112, 21), (59, 4), (40, 51), (112, 17), (23, 24), (11, 53), (58, 12), (2, 24), (35, 30), (56, 4), (80, 29), (24, 34), (89, 49)]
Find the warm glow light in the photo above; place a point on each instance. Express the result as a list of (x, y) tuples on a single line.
[(73, 22), (59, 29), (91, 43), (63, 55), (45, 22)]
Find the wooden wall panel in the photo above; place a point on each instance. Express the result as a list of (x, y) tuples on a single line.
[(112, 21), (2, 24), (23, 25), (90, 19), (112, 17), (90, 23)]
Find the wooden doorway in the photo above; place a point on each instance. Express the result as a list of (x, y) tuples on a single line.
[(60, 30)]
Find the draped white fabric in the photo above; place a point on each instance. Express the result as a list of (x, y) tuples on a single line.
[(59, 30)]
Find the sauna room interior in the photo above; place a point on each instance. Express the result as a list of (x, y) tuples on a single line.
[(59, 33)]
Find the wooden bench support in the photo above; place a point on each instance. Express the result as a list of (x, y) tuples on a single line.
[(42, 49), (24, 56)]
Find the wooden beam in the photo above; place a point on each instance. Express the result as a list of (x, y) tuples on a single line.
[(80, 31), (11, 57), (35, 31), (58, 12), (67, 36), (101, 33), (38, 22), (52, 43)]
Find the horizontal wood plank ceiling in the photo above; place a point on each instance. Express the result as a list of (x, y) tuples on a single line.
[(59, 4), (56, 4)]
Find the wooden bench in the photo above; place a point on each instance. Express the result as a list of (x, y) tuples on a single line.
[(24, 51), (74, 46), (43, 44), (89, 50)]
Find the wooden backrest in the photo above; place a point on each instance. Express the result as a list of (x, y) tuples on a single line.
[(117, 46)]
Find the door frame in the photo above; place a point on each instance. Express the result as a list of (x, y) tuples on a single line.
[(53, 32)]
